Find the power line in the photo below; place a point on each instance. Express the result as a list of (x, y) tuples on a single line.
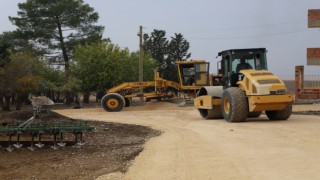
[(240, 27), (251, 36), (253, 26)]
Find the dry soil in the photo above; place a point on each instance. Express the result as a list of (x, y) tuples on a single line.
[(187, 148)]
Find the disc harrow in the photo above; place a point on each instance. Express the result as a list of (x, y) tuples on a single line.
[(37, 128)]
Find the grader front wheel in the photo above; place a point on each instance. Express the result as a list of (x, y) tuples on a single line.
[(112, 102)]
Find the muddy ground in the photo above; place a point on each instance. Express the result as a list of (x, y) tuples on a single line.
[(110, 148)]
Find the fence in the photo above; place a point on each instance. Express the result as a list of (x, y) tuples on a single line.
[(311, 82), (306, 86)]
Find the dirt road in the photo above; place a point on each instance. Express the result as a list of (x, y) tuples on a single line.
[(193, 148)]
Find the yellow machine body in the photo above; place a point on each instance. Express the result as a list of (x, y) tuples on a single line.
[(195, 70), (244, 88), (264, 91)]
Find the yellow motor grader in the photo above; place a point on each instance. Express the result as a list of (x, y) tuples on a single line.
[(192, 76), (244, 88)]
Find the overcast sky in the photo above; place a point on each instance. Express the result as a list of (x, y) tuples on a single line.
[(211, 26)]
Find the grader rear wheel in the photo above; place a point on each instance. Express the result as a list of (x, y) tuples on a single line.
[(112, 102), (234, 105)]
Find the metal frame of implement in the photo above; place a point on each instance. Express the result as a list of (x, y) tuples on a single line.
[(37, 129)]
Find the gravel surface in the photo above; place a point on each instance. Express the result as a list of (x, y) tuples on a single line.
[(180, 145)]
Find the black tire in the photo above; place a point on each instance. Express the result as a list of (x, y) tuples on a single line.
[(254, 114), (214, 113), (112, 102), (280, 115), (127, 102), (234, 105)]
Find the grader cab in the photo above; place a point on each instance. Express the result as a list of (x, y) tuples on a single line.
[(244, 88), (192, 76)]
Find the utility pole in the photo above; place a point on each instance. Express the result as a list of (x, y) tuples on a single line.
[(141, 66)]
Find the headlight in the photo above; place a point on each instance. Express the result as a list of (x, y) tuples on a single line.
[(279, 92)]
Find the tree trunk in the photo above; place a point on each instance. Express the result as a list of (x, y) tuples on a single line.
[(58, 97), (17, 102), (99, 95), (63, 46), (69, 98), (86, 96), (77, 101), (13, 101), (1, 101), (6, 106)]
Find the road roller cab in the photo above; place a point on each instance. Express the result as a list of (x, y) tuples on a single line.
[(247, 88), (234, 62)]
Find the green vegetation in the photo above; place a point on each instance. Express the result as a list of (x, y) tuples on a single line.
[(58, 51), (166, 52), (103, 65), (56, 27)]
